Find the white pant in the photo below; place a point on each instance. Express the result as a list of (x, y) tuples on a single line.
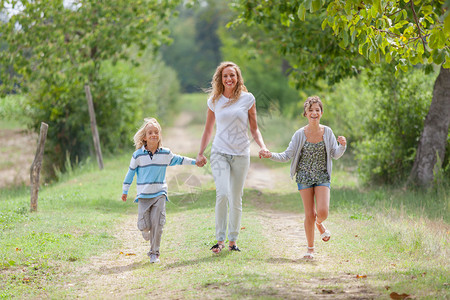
[(229, 172)]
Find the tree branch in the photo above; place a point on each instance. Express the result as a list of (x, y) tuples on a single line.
[(417, 23), (394, 13)]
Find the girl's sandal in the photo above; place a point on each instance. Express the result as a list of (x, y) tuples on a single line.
[(309, 255), (326, 235), (217, 246)]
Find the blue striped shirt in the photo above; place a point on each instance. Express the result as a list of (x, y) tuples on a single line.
[(150, 169)]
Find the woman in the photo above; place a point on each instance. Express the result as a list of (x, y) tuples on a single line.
[(232, 108)]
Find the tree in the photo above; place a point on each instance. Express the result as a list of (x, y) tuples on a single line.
[(195, 52), (403, 32), (55, 47)]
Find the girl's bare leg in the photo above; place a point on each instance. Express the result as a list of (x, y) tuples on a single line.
[(322, 202), (310, 216), (323, 205)]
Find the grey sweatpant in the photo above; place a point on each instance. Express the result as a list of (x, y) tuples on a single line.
[(152, 217), (229, 172)]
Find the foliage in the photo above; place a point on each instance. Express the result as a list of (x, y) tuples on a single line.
[(123, 96), (263, 74), (346, 105), (195, 51), (402, 31), (392, 124), (54, 48), (12, 108), (52, 38), (312, 53)]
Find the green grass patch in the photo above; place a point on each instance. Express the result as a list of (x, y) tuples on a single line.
[(13, 112), (400, 246), (74, 221)]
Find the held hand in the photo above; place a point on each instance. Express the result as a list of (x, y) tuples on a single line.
[(201, 160), (124, 197), (265, 153), (342, 140)]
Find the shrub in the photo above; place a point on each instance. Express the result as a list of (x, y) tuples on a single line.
[(393, 124), (122, 96)]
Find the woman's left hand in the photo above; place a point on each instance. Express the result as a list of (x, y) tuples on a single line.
[(264, 152), (342, 140)]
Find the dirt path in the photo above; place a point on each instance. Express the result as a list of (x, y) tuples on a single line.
[(108, 272), (105, 275)]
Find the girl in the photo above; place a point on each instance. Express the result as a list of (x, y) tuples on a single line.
[(232, 108), (149, 162), (311, 149)]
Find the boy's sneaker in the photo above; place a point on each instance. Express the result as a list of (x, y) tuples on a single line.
[(154, 258), (146, 235)]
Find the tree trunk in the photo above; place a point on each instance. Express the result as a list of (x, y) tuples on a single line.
[(434, 136)]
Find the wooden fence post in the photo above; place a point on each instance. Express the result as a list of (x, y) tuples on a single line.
[(98, 150), (35, 169)]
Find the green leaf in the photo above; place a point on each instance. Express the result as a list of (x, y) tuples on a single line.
[(447, 62), (308, 4), (372, 56), (433, 39), (316, 5), (324, 23), (353, 37), (377, 4), (441, 39), (301, 12), (438, 56), (374, 12), (420, 48), (388, 57)]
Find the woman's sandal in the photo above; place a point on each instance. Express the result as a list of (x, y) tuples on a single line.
[(309, 255), (326, 235), (217, 246), (234, 248)]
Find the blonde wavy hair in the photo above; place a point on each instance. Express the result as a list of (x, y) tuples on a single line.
[(217, 87), (140, 134), (309, 102)]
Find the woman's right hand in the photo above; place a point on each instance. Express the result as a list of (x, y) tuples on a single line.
[(201, 160)]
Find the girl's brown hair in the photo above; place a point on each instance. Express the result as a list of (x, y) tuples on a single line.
[(309, 102)]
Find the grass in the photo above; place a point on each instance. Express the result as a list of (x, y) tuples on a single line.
[(395, 240), (73, 222), (400, 246), (11, 112)]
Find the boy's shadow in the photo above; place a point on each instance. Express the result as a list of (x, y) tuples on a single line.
[(209, 258), (121, 269)]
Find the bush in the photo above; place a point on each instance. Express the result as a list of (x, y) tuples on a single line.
[(393, 124), (123, 95)]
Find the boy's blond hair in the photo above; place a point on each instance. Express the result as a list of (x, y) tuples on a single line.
[(140, 134)]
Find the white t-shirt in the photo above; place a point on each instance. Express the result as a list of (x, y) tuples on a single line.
[(232, 125)]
